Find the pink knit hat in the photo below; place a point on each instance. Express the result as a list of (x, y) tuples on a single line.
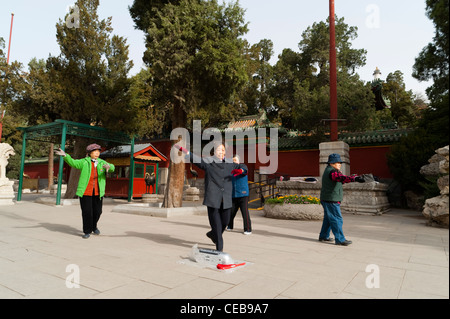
[(93, 147)]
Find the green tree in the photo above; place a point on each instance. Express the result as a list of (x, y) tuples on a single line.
[(432, 132), (10, 75), (301, 89), (143, 12), (402, 102), (151, 120), (288, 73), (256, 92), (87, 83), (433, 61), (195, 56)]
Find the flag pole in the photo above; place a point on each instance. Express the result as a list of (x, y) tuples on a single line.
[(333, 77), (10, 35)]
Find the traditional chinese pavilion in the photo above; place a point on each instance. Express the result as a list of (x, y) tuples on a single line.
[(146, 160)]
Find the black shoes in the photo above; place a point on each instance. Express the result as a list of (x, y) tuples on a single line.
[(96, 232), (210, 236), (86, 236), (344, 243)]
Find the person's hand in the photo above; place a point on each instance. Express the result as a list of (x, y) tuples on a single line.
[(106, 166), (60, 152), (237, 172), (359, 179), (185, 151)]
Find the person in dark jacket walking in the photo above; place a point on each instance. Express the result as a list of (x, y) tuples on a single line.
[(218, 189), (331, 196), (240, 200)]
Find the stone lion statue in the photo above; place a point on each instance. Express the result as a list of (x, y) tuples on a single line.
[(6, 151)]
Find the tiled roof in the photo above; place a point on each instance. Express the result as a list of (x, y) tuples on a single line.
[(296, 143), (242, 124), (250, 122), (382, 137), (386, 137)]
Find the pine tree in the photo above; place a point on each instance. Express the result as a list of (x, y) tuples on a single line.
[(86, 83), (195, 56)]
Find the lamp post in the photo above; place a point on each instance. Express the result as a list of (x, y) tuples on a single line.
[(333, 77)]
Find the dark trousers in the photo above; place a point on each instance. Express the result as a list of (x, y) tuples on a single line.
[(91, 209), (242, 204), (218, 219)]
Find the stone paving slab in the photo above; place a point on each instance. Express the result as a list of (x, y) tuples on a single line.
[(142, 257)]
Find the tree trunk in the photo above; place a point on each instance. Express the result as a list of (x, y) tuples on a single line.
[(173, 196), (78, 153), (50, 166)]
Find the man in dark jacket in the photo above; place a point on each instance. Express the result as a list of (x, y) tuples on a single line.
[(331, 196), (218, 189)]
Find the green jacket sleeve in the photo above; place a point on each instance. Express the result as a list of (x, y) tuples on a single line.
[(78, 164), (102, 162), (111, 167)]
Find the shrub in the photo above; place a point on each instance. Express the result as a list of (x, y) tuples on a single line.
[(294, 199)]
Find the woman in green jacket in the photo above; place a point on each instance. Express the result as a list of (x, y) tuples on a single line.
[(91, 185)]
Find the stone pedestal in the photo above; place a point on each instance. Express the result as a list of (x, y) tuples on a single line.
[(6, 186), (338, 147), (192, 194), (359, 198), (149, 198), (54, 189), (6, 192)]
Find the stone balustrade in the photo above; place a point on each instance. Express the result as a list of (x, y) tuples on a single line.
[(359, 198)]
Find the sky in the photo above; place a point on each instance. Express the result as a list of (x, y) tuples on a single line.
[(392, 31)]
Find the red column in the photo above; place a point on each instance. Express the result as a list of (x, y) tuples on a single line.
[(10, 35), (333, 77)]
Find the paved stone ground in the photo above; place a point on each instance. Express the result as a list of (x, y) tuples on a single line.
[(147, 257)]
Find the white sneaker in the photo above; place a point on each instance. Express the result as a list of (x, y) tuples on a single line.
[(247, 233)]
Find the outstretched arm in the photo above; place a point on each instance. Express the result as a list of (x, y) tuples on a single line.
[(337, 176), (239, 169), (196, 160), (78, 164)]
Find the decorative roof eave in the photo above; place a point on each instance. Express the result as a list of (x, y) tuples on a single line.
[(139, 150), (255, 127), (148, 158)]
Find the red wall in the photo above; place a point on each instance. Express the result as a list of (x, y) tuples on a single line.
[(299, 163), (41, 170), (363, 160), (370, 160)]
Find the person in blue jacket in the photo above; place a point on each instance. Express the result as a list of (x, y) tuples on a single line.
[(240, 200)]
